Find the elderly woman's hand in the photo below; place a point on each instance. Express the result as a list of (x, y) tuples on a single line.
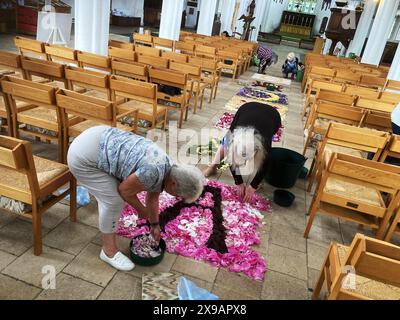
[(250, 191), (156, 232)]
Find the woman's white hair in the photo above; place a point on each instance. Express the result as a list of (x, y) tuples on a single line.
[(189, 182), (245, 150)]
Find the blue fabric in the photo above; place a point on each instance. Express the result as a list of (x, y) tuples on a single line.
[(395, 128), (123, 153), (290, 69), (188, 290)]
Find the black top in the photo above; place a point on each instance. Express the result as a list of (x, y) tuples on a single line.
[(266, 120)]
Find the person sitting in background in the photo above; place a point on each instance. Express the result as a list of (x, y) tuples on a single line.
[(291, 65), (226, 34), (396, 120), (267, 57)]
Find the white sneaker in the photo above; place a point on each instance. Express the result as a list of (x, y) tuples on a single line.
[(119, 261)]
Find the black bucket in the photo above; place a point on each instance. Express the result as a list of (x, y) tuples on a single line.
[(284, 168)]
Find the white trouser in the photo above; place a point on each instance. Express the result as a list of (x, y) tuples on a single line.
[(82, 161)]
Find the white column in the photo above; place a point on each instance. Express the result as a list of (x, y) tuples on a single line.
[(92, 25), (171, 18), (364, 26), (227, 10), (394, 73), (206, 19), (396, 29), (380, 31), (260, 12)]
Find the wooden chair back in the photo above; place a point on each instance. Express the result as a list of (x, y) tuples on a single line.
[(9, 63), (29, 47), (142, 39), (94, 61), (372, 81), (153, 61), (377, 120), (89, 80), (134, 70), (205, 51), (121, 45), (147, 51), (390, 97), (174, 56), (184, 47), (162, 43), (393, 85), (61, 54), (122, 54), (51, 71), (392, 149), (345, 76), (368, 93), (375, 105)]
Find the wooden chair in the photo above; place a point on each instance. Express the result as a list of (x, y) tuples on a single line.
[(348, 77), (230, 63), (80, 112), (195, 85), (175, 79), (392, 149), (142, 40), (368, 269), (368, 93), (392, 85), (46, 72), (357, 190), (314, 87), (121, 54), (140, 96), (205, 52), (390, 97), (185, 48), (61, 54), (331, 97), (34, 181), (375, 105), (345, 139), (133, 70), (39, 118), (324, 113), (94, 61), (174, 56), (210, 74), (89, 83), (147, 51), (317, 73), (121, 45), (10, 64), (163, 44), (157, 62), (377, 120), (372, 82), (30, 48)]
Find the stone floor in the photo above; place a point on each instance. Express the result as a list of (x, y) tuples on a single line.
[(73, 248)]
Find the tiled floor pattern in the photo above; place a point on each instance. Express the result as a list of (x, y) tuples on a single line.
[(73, 248)]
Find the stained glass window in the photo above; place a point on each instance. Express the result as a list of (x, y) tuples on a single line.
[(304, 6)]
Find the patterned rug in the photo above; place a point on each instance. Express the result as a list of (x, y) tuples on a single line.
[(218, 228)]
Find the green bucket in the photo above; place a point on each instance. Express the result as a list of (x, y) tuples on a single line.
[(284, 168), (147, 262)]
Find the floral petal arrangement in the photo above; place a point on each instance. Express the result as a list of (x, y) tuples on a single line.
[(263, 95), (218, 228)]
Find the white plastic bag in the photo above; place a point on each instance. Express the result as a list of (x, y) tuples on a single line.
[(187, 290)]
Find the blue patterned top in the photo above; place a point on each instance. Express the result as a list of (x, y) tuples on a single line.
[(123, 153)]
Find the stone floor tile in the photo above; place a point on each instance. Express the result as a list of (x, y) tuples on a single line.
[(278, 286), (70, 237), (88, 266), (315, 256), (195, 268), (122, 287), (165, 266), (32, 269), (5, 259), (6, 217), (288, 236), (12, 289), (227, 294), (287, 261), (70, 288), (89, 215), (53, 216), (239, 283)]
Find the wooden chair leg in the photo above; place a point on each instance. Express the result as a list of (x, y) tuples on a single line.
[(72, 203), (306, 144), (211, 94), (165, 120), (181, 118), (319, 284), (196, 101), (215, 90), (313, 212), (202, 100), (37, 230)]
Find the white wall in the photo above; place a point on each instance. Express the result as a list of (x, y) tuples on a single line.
[(320, 14), (273, 15), (129, 8)]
